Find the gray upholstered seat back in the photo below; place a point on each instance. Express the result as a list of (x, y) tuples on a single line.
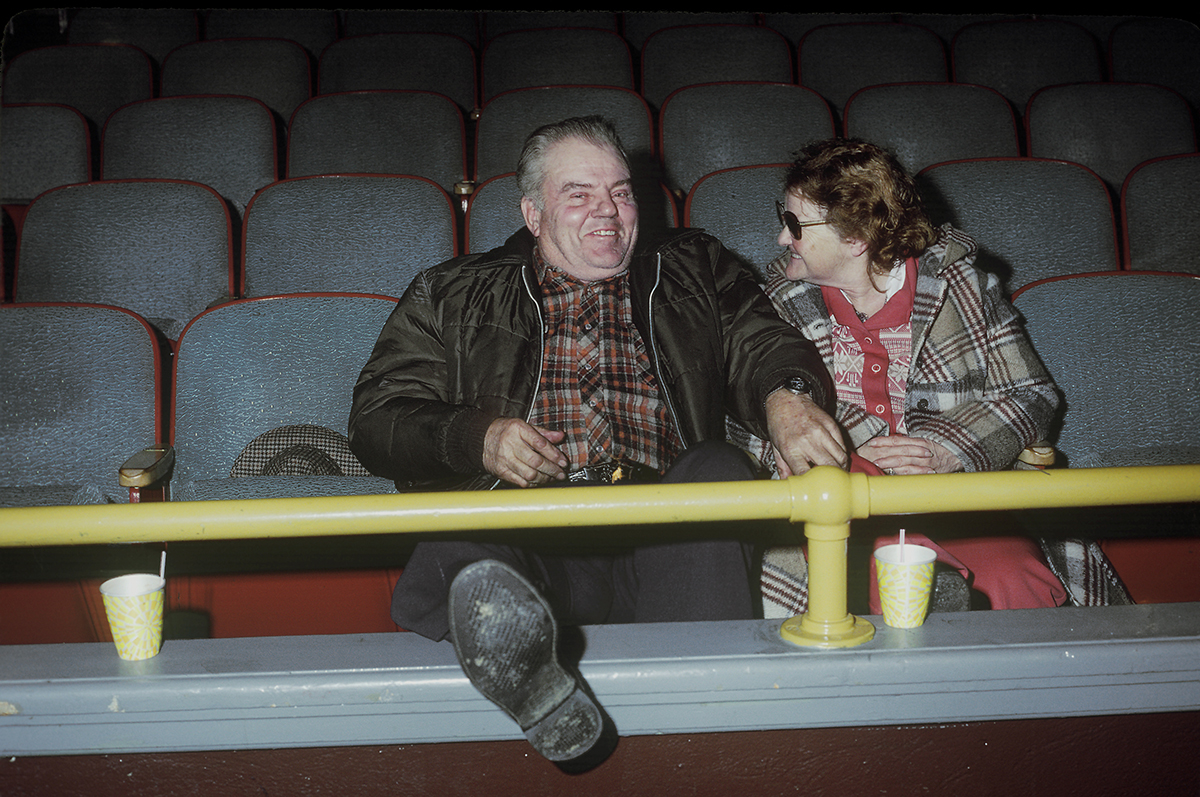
[(519, 59), (1160, 208), (379, 132), (413, 61), (1123, 349), (927, 123), (1109, 127), (1160, 50), (494, 213), (80, 395), (1032, 218), (254, 366), (361, 233), (704, 129), (158, 31), (691, 54), (161, 248), (838, 60), (738, 206), (224, 142), (1016, 57), (43, 146), (95, 79), (313, 28), (507, 120), (275, 71)]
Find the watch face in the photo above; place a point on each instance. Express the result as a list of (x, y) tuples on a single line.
[(798, 385)]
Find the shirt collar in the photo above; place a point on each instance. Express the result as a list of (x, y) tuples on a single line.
[(900, 291)]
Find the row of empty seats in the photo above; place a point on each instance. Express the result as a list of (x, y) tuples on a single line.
[(834, 54), (162, 30), (167, 249), (843, 59), (231, 142)]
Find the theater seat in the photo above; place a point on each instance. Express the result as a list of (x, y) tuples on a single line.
[(1127, 383)]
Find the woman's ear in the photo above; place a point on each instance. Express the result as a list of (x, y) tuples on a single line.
[(857, 247)]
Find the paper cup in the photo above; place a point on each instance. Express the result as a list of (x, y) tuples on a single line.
[(904, 587), (134, 605)]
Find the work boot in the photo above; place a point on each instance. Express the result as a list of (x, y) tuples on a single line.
[(506, 640)]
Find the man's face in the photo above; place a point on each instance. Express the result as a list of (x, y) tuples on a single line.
[(589, 222)]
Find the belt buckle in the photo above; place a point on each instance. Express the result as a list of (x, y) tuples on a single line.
[(606, 472)]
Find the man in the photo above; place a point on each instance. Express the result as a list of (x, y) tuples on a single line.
[(569, 352)]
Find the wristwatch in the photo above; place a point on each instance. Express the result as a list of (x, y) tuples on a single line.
[(796, 384)]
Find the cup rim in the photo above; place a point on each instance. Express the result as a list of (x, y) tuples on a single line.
[(132, 585), (914, 554)]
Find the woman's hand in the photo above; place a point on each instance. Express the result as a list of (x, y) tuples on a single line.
[(900, 455)]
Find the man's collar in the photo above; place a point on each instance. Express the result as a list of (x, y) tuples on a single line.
[(545, 272)]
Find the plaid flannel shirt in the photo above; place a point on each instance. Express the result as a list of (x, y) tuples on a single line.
[(598, 385)]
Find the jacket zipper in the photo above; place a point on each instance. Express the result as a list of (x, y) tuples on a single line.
[(541, 359), (657, 355)]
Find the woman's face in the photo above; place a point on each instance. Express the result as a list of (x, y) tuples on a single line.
[(821, 255)]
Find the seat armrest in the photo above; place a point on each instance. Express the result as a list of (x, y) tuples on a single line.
[(147, 467), (1038, 455)]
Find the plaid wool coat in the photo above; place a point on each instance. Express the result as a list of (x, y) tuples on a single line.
[(975, 385)]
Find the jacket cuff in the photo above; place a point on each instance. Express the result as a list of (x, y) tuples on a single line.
[(464, 438)]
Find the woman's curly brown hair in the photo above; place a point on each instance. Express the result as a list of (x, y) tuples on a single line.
[(866, 195)]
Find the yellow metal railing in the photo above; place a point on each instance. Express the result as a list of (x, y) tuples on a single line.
[(825, 500)]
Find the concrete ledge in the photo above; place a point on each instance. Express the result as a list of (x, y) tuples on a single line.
[(327, 691)]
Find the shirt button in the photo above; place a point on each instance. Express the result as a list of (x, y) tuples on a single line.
[(875, 368), (879, 409), (867, 340)]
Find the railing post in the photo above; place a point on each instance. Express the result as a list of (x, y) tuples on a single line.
[(825, 499)]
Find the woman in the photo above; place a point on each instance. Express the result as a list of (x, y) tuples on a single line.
[(933, 370)]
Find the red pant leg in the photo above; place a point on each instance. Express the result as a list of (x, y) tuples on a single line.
[(1010, 571)]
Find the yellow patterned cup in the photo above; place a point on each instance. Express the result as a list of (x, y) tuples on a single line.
[(134, 605), (904, 586)]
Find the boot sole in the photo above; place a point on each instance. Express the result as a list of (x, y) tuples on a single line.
[(506, 641)]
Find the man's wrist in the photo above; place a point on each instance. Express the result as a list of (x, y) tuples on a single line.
[(796, 385)]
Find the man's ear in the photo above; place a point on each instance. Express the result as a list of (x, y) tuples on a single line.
[(533, 216)]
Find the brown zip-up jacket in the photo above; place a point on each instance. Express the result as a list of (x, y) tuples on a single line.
[(464, 347)]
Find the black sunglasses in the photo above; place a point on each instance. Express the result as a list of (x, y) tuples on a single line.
[(788, 219)]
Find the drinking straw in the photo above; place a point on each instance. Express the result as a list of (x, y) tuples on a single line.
[(901, 546), (162, 566)]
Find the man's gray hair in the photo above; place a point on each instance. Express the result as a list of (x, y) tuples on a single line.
[(531, 167)]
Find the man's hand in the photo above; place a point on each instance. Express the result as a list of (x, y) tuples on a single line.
[(802, 434), (900, 455), (522, 454)]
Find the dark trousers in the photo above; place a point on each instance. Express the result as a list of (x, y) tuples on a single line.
[(707, 578)]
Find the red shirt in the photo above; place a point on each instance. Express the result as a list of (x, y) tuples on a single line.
[(871, 358)]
